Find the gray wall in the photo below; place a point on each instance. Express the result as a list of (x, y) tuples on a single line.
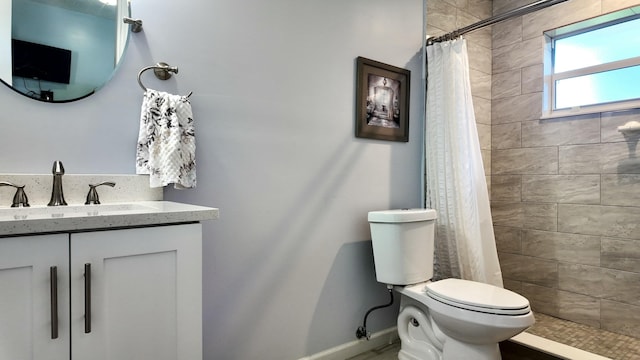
[(288, 269), (565, 192)]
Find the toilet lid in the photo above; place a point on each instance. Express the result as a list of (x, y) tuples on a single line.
[(478, 296)]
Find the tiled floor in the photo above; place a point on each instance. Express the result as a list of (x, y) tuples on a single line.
[(601, 342), (587, 338)]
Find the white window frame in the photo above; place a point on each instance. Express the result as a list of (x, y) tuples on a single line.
[(550, 79)]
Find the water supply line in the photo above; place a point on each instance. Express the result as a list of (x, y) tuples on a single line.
[(362, 332)]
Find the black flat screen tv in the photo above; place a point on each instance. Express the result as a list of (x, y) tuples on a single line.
[(43, 62)]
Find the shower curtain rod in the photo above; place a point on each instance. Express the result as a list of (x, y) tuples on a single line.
[(526, 9)]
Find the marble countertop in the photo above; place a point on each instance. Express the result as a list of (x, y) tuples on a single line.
[(77, 217)]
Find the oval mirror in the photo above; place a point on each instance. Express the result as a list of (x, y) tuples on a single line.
[(61, 50)]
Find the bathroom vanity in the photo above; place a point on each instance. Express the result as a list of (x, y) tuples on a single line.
[(114, 281)]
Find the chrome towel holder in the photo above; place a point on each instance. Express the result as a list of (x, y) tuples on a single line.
[(162, 71)]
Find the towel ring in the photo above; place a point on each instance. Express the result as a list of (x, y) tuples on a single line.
[(162, 71)]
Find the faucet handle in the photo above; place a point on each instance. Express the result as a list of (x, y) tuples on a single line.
[(20, 198), (92, 196)]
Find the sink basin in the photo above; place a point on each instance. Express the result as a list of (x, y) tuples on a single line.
[(46, 212)]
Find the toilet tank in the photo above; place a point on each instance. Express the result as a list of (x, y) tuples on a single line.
[(403, 243)]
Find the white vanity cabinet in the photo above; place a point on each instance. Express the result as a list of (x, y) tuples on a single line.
[(27, 317), (122, 294), (145, 293)]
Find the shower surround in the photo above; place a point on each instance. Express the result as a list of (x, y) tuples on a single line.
[(565, 192), (564, 210)]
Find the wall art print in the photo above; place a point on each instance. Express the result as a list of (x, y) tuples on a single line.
[(382, 101)]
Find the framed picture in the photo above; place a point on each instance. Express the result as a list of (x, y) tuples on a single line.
[(382, 101)]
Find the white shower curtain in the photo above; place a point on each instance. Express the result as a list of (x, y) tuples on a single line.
[(455, 180)]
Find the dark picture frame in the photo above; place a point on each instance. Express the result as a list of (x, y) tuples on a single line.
[(382, 101)]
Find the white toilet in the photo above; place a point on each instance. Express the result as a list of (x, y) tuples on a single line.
[(449, 319)]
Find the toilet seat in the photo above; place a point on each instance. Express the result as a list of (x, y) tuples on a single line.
[(476, 296)]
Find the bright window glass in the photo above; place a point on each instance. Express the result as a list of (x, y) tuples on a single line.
[(599, 88), (600, 46), (593, 65)]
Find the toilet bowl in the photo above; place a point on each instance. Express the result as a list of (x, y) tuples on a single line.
[(472, 317), (446, 319)]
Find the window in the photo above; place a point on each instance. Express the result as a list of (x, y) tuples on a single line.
[(593, 66)]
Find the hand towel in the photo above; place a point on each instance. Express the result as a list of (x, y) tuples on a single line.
[(166, 148)]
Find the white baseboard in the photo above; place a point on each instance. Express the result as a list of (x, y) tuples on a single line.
[(356, 347)]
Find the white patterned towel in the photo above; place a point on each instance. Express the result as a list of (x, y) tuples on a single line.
[(166, 143)]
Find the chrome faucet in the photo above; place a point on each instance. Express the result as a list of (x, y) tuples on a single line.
[(20, 198), (57, 196)]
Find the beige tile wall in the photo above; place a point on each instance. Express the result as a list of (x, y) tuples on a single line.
[(565, 192)]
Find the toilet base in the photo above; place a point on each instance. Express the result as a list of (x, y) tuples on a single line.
[(453, 349), (405, 355), (456, 350), (422, 337)]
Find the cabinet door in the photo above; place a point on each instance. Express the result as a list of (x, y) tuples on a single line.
[(145, 294), (28, 309)]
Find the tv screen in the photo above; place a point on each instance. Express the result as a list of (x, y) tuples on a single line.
[(37, 61)]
